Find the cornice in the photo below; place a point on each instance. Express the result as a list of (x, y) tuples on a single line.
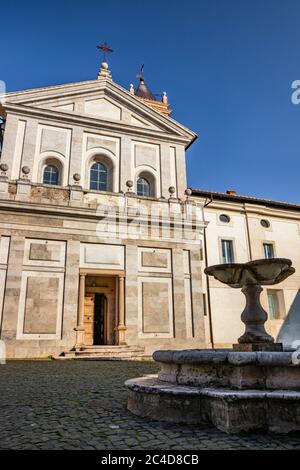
[(94, 123), (252, 209), (92, 214), (115, 90)]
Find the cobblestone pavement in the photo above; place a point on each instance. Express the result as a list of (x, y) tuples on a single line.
[(80, 405)]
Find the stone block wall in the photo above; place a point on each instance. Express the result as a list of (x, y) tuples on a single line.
[(44, 248)]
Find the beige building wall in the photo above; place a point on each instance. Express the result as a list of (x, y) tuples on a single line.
[(248, 236)]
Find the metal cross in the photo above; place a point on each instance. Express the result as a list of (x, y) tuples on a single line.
[(140, 75), (105, 48)]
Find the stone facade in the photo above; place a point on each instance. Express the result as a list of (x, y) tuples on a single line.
[(69, 253)]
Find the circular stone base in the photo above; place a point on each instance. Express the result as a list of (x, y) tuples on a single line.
[(229, 369), (229, 410)]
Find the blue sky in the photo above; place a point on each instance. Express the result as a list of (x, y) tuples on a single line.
[(227, 66)]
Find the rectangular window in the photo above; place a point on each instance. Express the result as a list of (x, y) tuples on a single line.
[(273, 308), (204, 304), (268, 250), (276, 304), (227, 251)]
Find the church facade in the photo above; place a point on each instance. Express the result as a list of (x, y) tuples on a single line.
[(100, 239)]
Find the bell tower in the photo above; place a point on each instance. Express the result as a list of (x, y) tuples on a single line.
[(144, 93)]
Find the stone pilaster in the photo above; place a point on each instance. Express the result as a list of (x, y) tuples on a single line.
[(70, 309), (29, 147), (179, 294), (80, 328), (12, 291), (181, 170), (131, 294), (165, 169), (76, 155), (197, 294), (125, 163), (121, 298), (9, 142)]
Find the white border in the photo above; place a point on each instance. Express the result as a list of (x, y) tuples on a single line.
[(168, 281), (155, 172), (41, 157), (22, 304), (154, 269), (88, 154), (28, 262), (84, 264)]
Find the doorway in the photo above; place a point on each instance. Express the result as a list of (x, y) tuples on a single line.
[(100, 309)]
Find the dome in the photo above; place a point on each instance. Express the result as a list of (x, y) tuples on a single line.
[(143, 91)]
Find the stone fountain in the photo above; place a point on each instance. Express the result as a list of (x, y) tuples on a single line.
[(250, 277), (255, 385)]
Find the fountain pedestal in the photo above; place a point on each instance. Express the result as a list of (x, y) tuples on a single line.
[(236, 391), (254, 317)]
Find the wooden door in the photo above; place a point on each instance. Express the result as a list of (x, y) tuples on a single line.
[(89, 305)]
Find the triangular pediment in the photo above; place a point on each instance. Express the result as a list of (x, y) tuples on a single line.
[(99, 99), (98, 105)]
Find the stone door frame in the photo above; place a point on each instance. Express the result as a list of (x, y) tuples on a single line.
[(120, 327)]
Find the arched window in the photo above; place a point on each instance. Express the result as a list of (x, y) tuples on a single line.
[(98, 177), (143, 187), (51, 175)]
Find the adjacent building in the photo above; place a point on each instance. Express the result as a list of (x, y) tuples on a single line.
[(241, 229)]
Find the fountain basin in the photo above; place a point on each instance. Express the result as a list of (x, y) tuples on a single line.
[(234, 391), (265, 272), (231, 411), (236, 370)]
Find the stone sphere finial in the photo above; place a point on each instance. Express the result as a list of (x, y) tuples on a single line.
[(76, 177), (129, 184), (3, 168), (104, 65), (188, 192), (25, 170), (172, 190)]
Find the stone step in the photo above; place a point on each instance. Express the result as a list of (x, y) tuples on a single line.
[(84, 357), (109, 348), (102, 354), (107, 352)]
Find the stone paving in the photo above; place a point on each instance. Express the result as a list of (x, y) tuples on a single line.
[(81, 405)]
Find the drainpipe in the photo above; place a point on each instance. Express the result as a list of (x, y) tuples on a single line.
[(248, 232), (211, 334)]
